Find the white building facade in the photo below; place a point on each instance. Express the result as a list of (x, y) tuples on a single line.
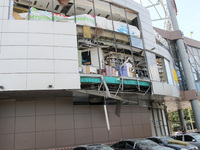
[(58, 75)]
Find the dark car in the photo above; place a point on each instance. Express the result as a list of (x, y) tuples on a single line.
[(175, 144), (192, 138), (93, 147), (138, 144)]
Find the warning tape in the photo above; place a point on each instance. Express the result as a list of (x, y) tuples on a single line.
[(70, 148)]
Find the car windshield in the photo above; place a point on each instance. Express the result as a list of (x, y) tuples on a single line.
[(146, 144), (196, 136), (166, 139), (100, 147)]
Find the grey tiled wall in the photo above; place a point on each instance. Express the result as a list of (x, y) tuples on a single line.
[(47, 123)]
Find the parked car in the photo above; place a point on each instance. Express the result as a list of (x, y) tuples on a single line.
[(175, 144), (93, 147), (138, 144), (196, 132), (192, 138)]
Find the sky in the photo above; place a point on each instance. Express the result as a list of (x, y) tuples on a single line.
[(188, 16)]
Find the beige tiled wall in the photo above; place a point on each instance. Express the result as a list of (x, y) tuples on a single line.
[(32, 51), (48, 123)]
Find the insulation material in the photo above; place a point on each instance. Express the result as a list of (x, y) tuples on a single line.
[(87, 32), (152, 66), (17, 16)]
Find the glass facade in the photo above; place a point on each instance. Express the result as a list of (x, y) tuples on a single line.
[(194, 58), (178, 66)]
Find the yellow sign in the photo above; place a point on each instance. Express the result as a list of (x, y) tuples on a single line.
[(175, 75)]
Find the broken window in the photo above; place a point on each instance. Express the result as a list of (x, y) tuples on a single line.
[(161, 69), (168, 72), (108, 40), (164, 70), (41, 10), (108, 35)]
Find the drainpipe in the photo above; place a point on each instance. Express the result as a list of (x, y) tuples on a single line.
[(185, 64)]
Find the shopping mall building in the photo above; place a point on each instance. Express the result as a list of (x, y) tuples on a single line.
[(91, 72)]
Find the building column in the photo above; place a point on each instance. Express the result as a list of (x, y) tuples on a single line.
[(186, 66), (182, 120)]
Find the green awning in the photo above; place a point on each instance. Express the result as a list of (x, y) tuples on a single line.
[(114, 80)]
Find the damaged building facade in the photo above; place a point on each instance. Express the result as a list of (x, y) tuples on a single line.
[(91, 72), (192, 49)]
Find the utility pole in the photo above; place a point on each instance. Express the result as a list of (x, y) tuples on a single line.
[(186, 66)]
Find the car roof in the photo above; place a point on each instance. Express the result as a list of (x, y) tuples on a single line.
[(187, 134), (97, 145), (81, 146), (91, 145), (193, 133), (159, 137), (133, 140)]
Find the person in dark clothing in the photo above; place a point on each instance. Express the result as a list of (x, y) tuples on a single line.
[(183, 130)]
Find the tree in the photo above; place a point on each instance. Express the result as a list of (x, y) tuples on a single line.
[(174, 118)]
